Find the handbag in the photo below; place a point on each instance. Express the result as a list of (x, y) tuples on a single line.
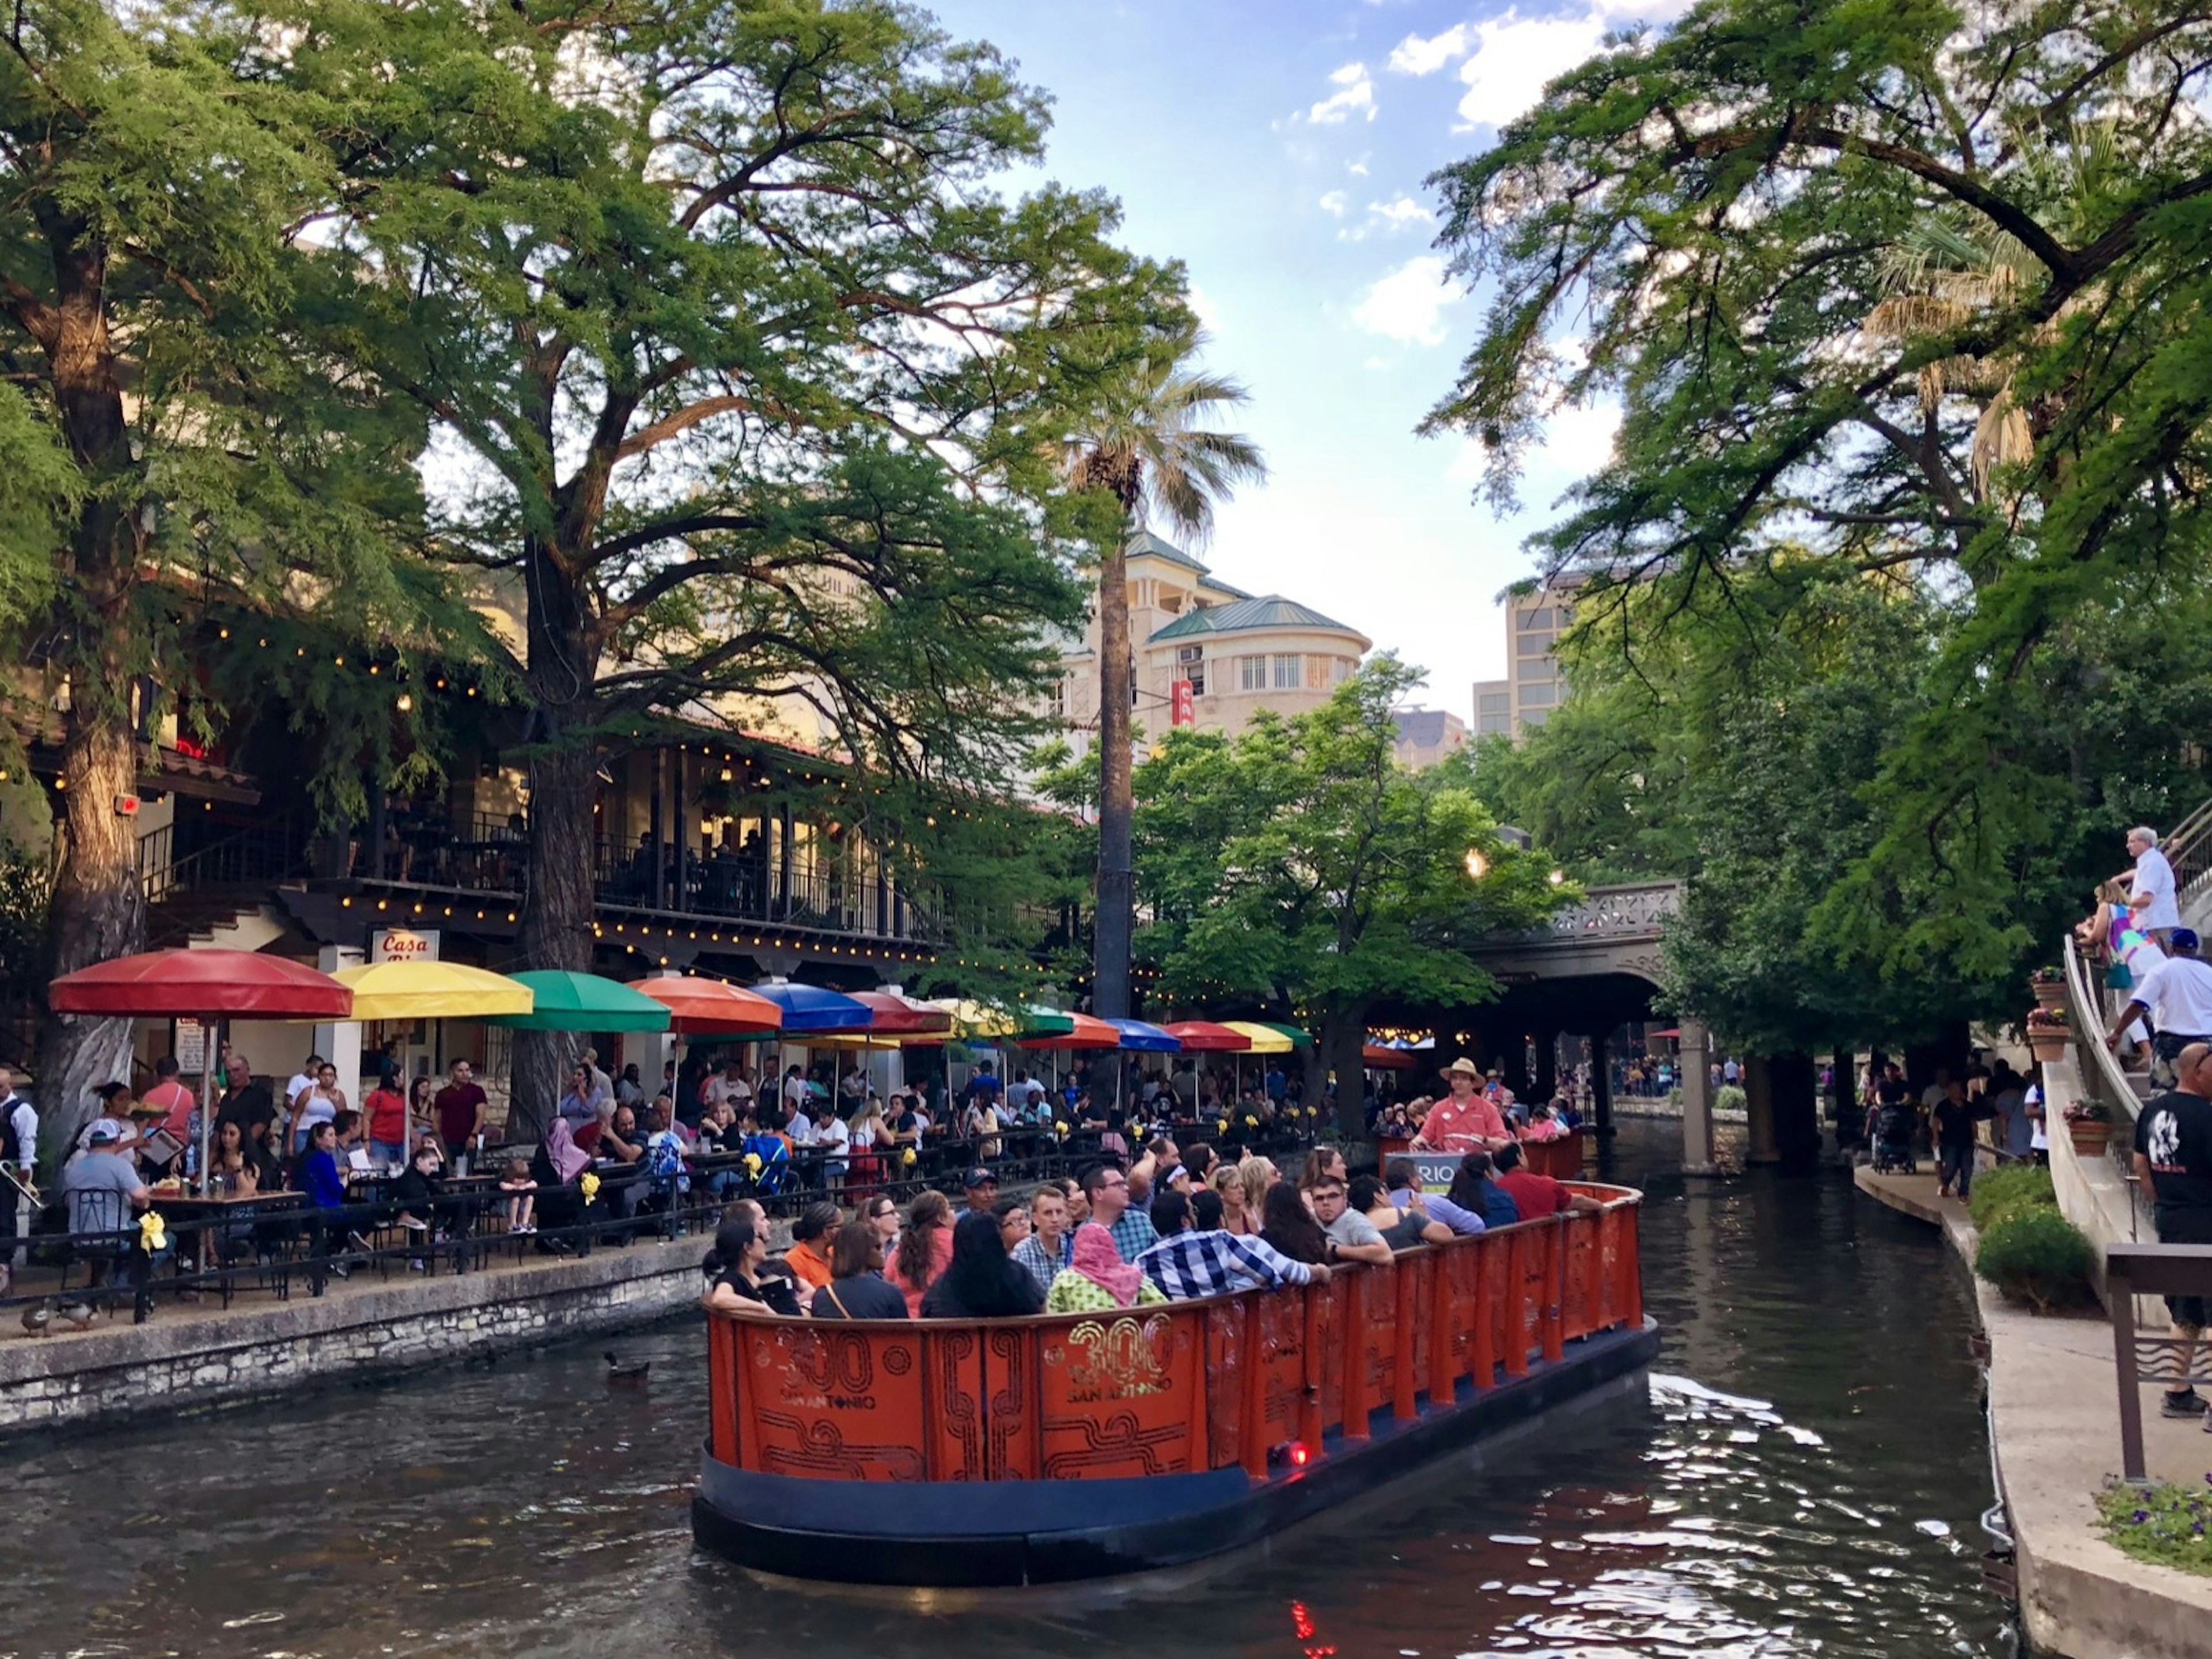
[(2119, 976)]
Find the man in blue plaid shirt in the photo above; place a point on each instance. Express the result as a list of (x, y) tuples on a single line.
[(1186, 1263)]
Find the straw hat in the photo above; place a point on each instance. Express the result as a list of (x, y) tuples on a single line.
[(1462, 1065)]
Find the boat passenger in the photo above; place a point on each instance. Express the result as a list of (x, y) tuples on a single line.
[(1322, 1163), (738, 1285), (1401, 1230), (1189, 1263), (1205, 1210), (1403, 1177), (809, 1254), (924, 1248), (1472, 1189), (1227, 1184), (1112, 1208), (1097, 1279), (1288, 1226), (857, 1289), (980, 1281), (1258, 1175), (1537, 1195), (1050, 1249), (1352, 1236)]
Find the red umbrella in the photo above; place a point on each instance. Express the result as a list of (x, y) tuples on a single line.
[(706, 1007), (201, 985), (1089, 1033), (189, 984), (902, 1016), (1200, 1037), (1387, 1060)]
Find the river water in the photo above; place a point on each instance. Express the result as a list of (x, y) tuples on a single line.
[(1803, 1479)]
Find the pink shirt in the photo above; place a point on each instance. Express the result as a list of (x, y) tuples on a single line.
[(176, 1102), (1453, 1127)]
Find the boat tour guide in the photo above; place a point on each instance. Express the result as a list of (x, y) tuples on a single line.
[(1465, 1121)]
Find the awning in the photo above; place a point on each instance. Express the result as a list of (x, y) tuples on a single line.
[(192, 984), (432, 990), (1380, 1059), (1200, 1037), (582, 1002), (706, 1007), (809, 1008), (1261, 1039)]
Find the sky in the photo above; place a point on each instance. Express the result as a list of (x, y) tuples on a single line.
[(1279, 149)]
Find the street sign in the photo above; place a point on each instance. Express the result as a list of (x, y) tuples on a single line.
[(403, 945)]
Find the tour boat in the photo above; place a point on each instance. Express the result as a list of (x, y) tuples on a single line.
[(1005, 1452)]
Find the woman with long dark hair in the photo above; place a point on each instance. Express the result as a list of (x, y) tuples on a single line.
[(1472, 1189), (1286, 1224), (924, 1249), (982, 1281), (737, 1283)]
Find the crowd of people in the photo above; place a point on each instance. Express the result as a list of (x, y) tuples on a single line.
[(1169, 1224)]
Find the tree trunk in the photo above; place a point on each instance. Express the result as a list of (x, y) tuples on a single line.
[(1337, 1047), (1109, 982), (555, 929), (97, 914), (1795, 1082), (99, 910)]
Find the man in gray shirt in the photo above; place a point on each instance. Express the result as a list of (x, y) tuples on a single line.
[(1352, 1236), (103, 1187)]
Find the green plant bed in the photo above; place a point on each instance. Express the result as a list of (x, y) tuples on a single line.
[(2166, 1524), (2015, 1187), (2036, 1255), (1729, 1097)]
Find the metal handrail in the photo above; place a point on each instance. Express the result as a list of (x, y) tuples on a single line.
[(2101, 1068)]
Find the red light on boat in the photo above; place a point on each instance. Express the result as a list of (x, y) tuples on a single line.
[(1299, 1455)]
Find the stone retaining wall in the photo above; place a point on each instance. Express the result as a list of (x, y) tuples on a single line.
[(194, 1357)]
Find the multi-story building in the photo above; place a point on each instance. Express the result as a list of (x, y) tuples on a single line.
[(1534, 685), (1238, 653), (1428, 736)]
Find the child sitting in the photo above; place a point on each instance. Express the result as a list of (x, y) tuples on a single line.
[(521, 1206)]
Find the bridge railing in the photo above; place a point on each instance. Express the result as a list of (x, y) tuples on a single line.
[(1632, 910), (1184, 1388)]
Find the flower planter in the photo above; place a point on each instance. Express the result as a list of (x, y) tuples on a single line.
[(2052, 995), (2090, 1137), (2047, 1046)]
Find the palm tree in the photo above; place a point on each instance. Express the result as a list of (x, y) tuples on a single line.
[(1146, 443)]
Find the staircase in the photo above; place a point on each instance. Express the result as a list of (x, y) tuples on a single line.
[(220, 894)]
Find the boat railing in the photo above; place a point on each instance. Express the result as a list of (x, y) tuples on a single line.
[(1261, 1381)]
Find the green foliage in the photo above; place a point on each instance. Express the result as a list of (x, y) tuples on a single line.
[(1298, 867), (1898, 297), (2034, 1254), (2015, 1187), (1729, 1097), (2165, 1522)]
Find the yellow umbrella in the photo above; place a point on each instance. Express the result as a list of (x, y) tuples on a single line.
[(1266, 1039), (977, 1019), (432, 990)]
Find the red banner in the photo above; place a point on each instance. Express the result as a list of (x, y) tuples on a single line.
[(1186, 708)]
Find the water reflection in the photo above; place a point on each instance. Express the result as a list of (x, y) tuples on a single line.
[(1804, 1478)]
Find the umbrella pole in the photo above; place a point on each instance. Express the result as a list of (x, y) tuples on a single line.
[(207, 1094)]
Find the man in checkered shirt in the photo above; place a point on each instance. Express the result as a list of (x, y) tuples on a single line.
[(1186, 1263)]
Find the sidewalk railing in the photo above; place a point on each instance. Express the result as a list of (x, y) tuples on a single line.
[(2179, 1270)]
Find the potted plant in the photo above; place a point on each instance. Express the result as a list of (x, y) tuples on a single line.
[(2048, 1033), (2048, 985), (2089, 1126)]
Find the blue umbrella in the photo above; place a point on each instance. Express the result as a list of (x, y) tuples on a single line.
[(809, 1008), (1141, 1038)]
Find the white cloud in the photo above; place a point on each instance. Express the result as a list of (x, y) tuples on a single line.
[(1335, 204), (1511, 57), (1354, 94), (1414, 56), (1356, 169), (1402, 213), (1408, 304), (1204, 307)]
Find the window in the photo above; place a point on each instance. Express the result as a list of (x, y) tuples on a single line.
[(1494, 702), (1252, 673), (1546, 691), (1533, 717), (1317, 671), (1190, 665), (1489, 723), (1344, 668), (1536, 668), (1533, 645), (1059, 698), (1538, 621), (1287, 672), (1133, 686)]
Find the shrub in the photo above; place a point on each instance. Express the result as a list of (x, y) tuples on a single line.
[(2037, 1256), (1729, 1099), (2001, 1192)]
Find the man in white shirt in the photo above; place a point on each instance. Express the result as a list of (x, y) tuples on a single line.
[(19, 1152), (2151, 898), (730, 1088), (2178, 996)]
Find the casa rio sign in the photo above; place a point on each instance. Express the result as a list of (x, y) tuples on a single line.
[(403, 945)]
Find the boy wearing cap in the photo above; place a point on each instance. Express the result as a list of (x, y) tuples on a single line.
[(102, 1172), (982, 1191)]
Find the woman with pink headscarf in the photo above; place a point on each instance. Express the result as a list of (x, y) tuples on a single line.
[(1099, 1281)]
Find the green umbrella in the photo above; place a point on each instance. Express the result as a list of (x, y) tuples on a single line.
[(1299, 1038), (583, 1002)]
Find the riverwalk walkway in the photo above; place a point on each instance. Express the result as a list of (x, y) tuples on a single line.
[(199, 1355), (2054, 1415)]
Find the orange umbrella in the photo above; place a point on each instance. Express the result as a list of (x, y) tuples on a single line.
[(1089, 1033), (706, 1007)]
